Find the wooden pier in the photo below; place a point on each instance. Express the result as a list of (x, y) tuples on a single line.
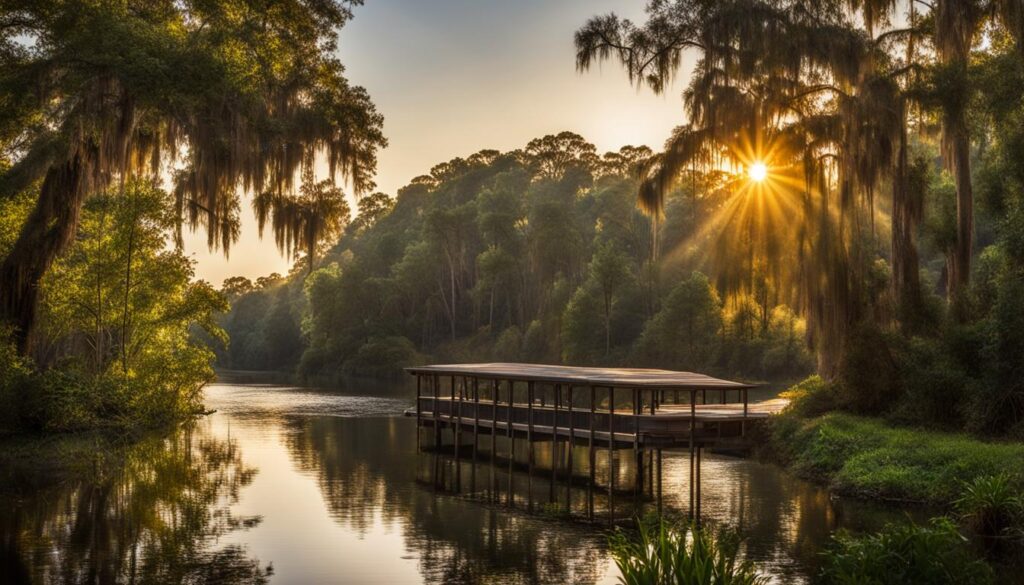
[(602, 408)]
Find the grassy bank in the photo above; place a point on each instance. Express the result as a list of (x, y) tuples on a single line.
[(868, 458)]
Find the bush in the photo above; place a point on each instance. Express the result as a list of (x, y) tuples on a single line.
[(383, 356), (991, 505), (811, 397), (15, 379), (936, 554), (934, 385), (869, 374), (665, 554)]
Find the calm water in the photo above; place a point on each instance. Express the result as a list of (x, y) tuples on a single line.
[(294, 485)]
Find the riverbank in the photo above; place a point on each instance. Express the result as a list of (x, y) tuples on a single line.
[(868, 458)]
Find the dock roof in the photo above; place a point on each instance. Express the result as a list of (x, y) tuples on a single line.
[(583, 376)]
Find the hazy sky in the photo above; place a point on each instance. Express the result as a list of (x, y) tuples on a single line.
[(452, 77)]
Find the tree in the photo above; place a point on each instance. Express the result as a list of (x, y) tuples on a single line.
[(801, 90), (301, 221), (684, 333), (555, 154), (130, 301), (238, 94), (609, 270), (236, 286)]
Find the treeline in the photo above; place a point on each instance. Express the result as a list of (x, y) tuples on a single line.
[(538, 255)]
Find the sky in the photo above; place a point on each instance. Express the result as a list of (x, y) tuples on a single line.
[(453, 77)]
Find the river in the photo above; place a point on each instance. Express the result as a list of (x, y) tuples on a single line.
[(285, 484)]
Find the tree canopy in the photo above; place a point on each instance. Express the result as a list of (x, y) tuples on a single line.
[(225, 97)]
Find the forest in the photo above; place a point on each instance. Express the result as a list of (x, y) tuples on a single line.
[(536, 255)]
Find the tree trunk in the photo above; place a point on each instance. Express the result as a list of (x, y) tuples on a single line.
[(47, 231), (906, 212), (960, 262)]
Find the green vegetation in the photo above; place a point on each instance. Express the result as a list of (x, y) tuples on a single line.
[(118, 312), (661, 553), (869, 458), (102, 103), (532, 255), (906, 554), (992, 505)]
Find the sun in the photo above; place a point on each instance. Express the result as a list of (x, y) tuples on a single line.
[(758, 172)]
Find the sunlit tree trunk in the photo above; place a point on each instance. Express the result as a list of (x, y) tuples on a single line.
[(46, 233)]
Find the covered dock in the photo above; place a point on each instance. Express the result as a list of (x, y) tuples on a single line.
[(601, 408)]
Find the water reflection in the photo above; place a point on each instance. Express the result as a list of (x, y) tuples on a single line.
[(343, 494), (367, 469), (786, 521), (149, 512)]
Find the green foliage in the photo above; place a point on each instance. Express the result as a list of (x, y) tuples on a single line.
[(992, 505), (811, 397), (868, 458), (661, 553), (905, 554), (119, 312), (537, 255), (684, 333)]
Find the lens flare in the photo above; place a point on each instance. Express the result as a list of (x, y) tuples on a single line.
[(758, 172)]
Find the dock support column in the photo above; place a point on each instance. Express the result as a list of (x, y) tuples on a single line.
[(611, 454), (693, 435), (697, 484), (511, 442), (419, 382), (571, 445), (637, 457), (530, 388), (743, 425), (437, 415), (555, 455), (593, 457), (658, 454), (457, 434)]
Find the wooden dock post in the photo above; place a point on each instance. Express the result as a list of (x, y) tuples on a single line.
[(611, 454), (570, 447), (693, 436), (593, 457), (697, 486)]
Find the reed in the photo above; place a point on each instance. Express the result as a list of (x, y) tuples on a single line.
[(664, 553)]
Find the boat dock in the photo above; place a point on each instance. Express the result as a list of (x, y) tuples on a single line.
[(613, 409)]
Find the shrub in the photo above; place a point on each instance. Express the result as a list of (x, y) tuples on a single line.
[(661, 553), (383, 356), (991, 505), (15, 378), (811, 397), (869, 374), (936, 554)]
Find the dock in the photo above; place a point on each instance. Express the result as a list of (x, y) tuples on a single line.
[(610, 409)]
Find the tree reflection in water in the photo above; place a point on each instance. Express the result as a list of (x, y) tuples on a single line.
[(366, 470), (146, 512)]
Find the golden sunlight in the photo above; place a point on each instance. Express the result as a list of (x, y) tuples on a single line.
[(758, 172)]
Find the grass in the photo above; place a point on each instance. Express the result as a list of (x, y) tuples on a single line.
[(904, 554), (661, 552), (868, 458), (991, 506)]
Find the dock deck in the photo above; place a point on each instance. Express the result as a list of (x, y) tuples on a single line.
[(642, 407), (611, 409)]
